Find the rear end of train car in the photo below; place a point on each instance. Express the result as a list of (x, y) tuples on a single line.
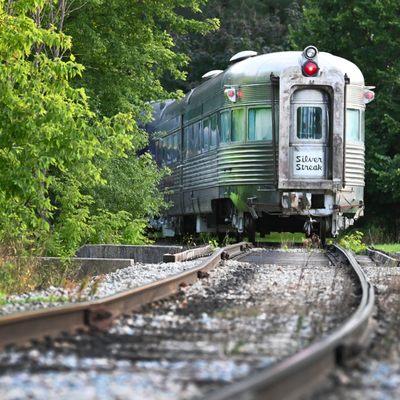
[(273, 143)]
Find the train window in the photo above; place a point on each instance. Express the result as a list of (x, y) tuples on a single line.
[(309, 122), (238, 125), (353, 125), (213, 130), (225, 126), (260, 124), (188, 141), (198, 138), (206, 135), (175, 147)]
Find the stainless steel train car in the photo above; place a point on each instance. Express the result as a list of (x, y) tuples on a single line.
[(273, 143)]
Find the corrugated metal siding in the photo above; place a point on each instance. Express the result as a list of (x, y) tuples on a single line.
[(172, 181), (200, 171), (355, 164), (355, 95), (246, 163), (253, 94)]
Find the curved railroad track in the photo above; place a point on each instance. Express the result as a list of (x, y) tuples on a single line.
[(289, 378), (302, 372)]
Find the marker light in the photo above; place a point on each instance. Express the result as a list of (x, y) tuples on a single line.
[(230, 93), (310, 52), (310, 68), (369, 95)]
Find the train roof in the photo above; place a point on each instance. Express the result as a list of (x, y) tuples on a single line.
[(258, 69), (253, 70)]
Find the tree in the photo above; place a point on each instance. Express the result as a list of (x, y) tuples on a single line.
[(259, 25), (56, 154), (367, 33), (51, 143), (127, 47)]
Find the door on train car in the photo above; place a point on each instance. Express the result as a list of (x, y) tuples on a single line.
[(309, 135)]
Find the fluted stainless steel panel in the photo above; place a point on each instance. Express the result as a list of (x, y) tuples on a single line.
[(355, 95), (200, 171), (246, 163), (355, 164)]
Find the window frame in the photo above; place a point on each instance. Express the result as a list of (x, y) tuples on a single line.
[(227, 111), (361, 126), (255, 107), (324, 124)]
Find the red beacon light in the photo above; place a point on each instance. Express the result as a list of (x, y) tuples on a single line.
[(310, 68)]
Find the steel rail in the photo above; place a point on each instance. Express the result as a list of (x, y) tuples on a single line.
[(298, 374), (21, 327)]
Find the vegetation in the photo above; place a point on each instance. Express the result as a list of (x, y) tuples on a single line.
[(69, 170), (388, 248), (259, 25), (353, 241), (73, 164), (76, 79)]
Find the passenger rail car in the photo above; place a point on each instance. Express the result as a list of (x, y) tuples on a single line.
[(273, 143)]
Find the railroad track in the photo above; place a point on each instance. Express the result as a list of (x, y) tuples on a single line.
[(288, 378), (22, 327)]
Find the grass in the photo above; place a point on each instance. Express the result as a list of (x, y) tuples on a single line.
[(282, 237), (388, 247), (22, 272)]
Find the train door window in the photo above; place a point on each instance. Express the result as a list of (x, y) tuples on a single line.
[(206, 135), (309, 122), (225, 126), (353, 125), (260, 124), (213, 130), (238, 125)]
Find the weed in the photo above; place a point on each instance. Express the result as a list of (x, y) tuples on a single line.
[(353, 241), (95, 287), (83, 285)]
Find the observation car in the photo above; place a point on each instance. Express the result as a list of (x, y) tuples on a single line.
[(273, 143)]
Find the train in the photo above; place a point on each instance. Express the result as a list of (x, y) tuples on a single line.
[(275, 142)]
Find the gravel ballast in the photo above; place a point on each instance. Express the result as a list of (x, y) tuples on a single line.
[(240, 318), (375, 375), (106, 285)]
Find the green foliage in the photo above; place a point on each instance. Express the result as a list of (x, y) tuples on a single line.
[(132, 186), (119, 227), (259, 25), (127, 47), (353, 241), (367, 33), (52, 145)]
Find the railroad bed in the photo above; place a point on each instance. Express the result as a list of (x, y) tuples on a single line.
[(236, 322)]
